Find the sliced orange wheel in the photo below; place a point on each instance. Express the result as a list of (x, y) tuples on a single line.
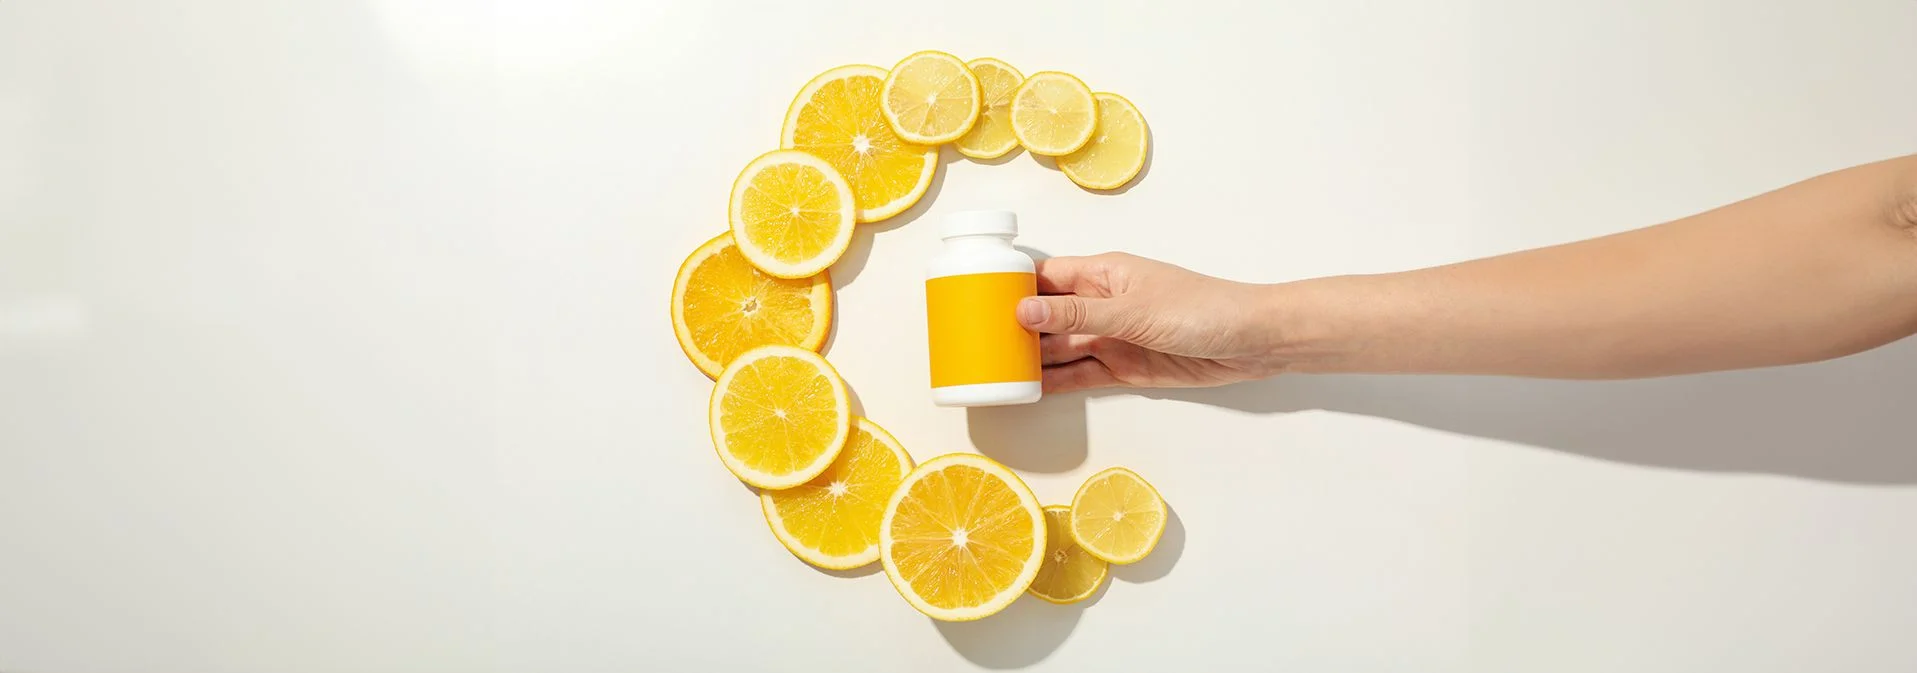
[(722, 306), (779, 415), (833, 521), (962, 537), (1069, 574), (836, 117), (1117, 516)]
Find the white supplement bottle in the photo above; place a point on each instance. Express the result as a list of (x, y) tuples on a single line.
[(980, 355)]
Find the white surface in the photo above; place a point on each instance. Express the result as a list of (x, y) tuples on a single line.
[(333, 338)]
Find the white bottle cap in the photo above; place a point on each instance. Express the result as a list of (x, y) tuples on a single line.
[(979, 223)]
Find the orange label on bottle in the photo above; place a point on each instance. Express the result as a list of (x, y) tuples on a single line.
[(974, 333)]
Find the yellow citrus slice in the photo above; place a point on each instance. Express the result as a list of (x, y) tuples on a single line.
[(930, 98), (722, 306), (1117, 517), (792, 213), (1117, 149), (779, 416), (1053, 114), (992, 136), (962, 537), (1069, 574), (832, 521), (837, 118)]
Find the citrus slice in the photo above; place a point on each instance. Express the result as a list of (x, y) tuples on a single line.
[(1117, 517), (779, 416), (1053, 114), (1117, 149), (722, 306), (962, 537), (930, 98), (792, 213), (836, 117), (1069, 574), (992, 136), (832, 521)]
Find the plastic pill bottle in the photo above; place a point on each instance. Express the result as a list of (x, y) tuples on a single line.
[(980, 355)]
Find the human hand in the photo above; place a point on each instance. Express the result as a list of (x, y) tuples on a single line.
[(1120, 320)]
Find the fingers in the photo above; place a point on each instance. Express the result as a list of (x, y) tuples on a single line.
[(1058, 349), (1084, 276), (1083, 374), (1071, 314)]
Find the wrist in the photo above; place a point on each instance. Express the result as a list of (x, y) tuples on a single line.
[(1320, 326)]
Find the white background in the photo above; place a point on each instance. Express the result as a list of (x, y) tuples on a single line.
[(333, 337)]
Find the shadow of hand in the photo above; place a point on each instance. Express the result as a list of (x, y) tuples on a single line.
[(1845, 420)]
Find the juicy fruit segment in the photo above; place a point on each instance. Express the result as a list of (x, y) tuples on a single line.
[(1117, 516), (962, 537), (1069, 574), (792, 214), (723, 306), (992, 136), (930, 98), (837, 117), (779, 416), (1053, 114), (1117, 149), (833, 520)]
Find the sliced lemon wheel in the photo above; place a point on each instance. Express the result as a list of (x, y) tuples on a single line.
[(833, 520), (930, 98), (1117, 516), (1069, 574), (779, 415), (722, 306), (1117, 149), (992, 136), (1053, 114), (836, 117), (792, 214), (962, 537)]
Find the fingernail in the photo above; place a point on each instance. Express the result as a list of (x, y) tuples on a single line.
[(1032, 312)]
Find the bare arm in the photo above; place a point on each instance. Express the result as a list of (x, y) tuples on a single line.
[(1815, 270), (1819, 269)]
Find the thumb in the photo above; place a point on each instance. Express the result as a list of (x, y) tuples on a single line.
[(1071, 314)]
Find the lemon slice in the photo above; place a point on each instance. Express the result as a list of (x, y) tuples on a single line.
[(992, 136), (792, 214), (779, 416), (930, 98), (832, 521), (1069, 574), (962, 537), (1117, 517), (1053, 114), (1117, 149), (836, 117), (722, 306)]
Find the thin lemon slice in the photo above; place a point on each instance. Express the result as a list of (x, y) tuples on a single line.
[(779, 416), (833, 520), (930, 98), (1069, 574), (962, 537), (1117, 517), (837, 118), (1117, 149), (992, 136), (1053, 114), (722, 306), (792, 214)]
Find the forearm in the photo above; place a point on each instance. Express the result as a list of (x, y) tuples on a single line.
[(1815, 270)]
